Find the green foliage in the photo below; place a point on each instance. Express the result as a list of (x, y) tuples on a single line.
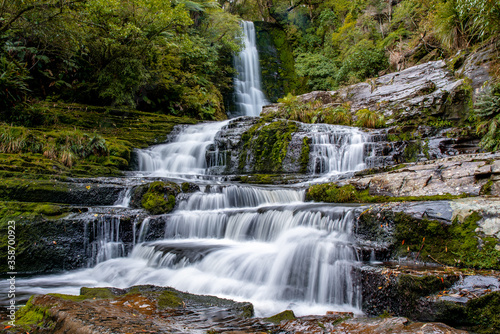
[(318, 69), (487, 113), (459, 23), (338, 115), (369, 119), (13, 85), (65, 146), (172, 56)]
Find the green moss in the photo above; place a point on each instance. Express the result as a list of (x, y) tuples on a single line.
[(456, 244), (331, 193), (48, 209), (160, 197), (486, 188), (483, 313), (285, 315), (304, 154), (70, 297), (265, 146), (169, 299), (74, 137), (101, 293), (31, 316), (276, 61)]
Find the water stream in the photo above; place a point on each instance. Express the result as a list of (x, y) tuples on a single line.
[(265, 245)]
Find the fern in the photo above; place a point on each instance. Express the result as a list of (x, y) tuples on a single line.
[(487, 112)]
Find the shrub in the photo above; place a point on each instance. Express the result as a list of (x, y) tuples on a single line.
[(369, 119), (487, 112)]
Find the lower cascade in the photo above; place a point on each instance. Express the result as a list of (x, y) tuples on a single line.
[(263, 245)]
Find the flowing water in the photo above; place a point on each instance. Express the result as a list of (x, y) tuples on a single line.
[(265, 245), (249, 98)]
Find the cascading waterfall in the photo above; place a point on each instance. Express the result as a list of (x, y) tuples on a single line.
[(337, 149), (262, 245), (105, 242), (259, 244), (249, 98), (187, 154)]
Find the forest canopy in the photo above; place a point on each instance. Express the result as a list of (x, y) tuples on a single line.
[(175, 56), (154, 55)]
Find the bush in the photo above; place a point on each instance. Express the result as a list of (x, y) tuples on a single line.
[(13, 86), (369, 119), (487, 112)]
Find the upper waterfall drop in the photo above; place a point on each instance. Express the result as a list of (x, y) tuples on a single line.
[(249, 98)]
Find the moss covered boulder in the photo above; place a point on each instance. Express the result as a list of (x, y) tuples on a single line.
[(157, 197)]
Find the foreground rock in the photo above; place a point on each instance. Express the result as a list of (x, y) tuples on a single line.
[(150, 309)]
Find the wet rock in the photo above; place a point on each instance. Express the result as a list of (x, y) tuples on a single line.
[(153, 309), (392, 325), (137, 309), (464, 174), (476, 67), (74, 241)]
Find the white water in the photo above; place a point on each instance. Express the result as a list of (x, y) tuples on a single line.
[(249, 98), (277, 256), (185, 155), (337, 149), (124, 198), (263, 245)]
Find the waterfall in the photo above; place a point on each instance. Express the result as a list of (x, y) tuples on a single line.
[(187, 154), (249, 98), (104, 240), (337, 149), (257, 244)]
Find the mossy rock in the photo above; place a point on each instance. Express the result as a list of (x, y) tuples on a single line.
[(169, 299), (160, 197), (188, 187), (49, 210), (30, 316), (285, 315), (276, 61), (483, 313), (457, 244), (265, 146), (100, 293), (332, 193)]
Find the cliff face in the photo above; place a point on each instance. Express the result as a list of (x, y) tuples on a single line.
[(276, 61)]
